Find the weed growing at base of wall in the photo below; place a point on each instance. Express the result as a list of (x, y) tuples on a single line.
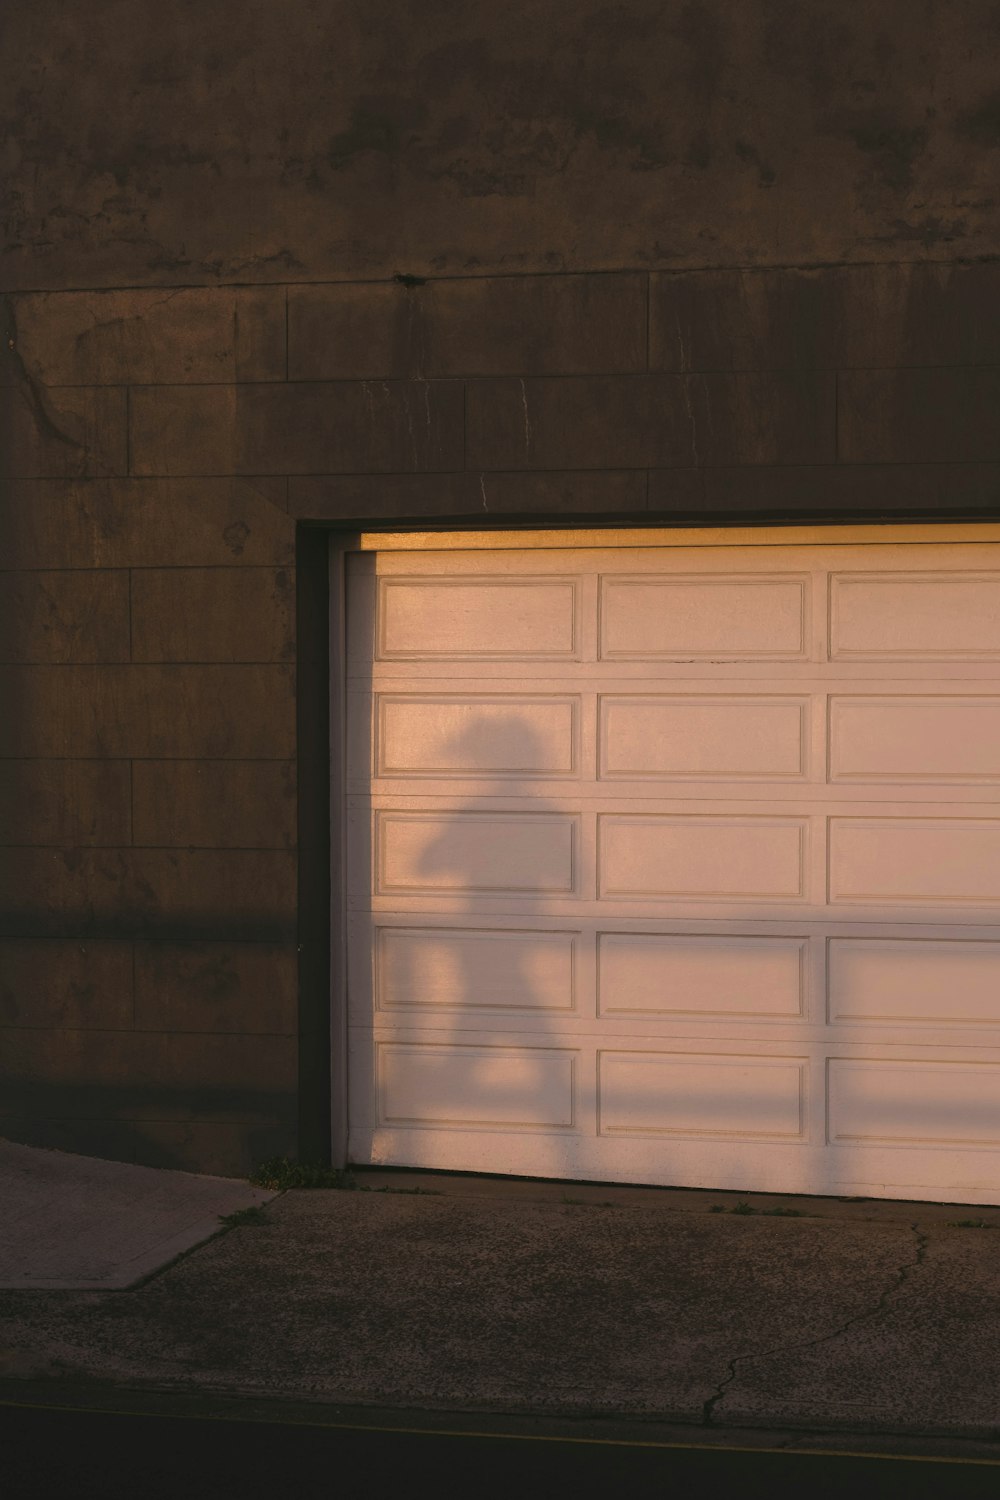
[(279, 1173)]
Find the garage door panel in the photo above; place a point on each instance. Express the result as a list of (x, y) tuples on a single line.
[(943, 738), (480, 852), (931, 861), (717, 858), (930, 615), (756, 1165), (438, 968), (668, 1094), (696, 737), (742, 977), (444, 736), (741, 618), (920, 981), (461, 1087), (440, 618), (914, 1103)]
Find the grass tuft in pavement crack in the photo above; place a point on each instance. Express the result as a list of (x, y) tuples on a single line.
[(279, 1173), (743, 1209), (252, 1215)]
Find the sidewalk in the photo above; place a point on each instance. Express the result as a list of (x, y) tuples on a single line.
[(77, 1223), (476, 1295)]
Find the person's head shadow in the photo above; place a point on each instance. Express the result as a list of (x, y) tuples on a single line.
[(505, 836), (501, 747)]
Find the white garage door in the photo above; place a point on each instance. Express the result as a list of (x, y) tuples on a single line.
[(678, 865)]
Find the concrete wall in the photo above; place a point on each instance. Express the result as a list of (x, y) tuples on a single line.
[(664, 261), (259, 140)]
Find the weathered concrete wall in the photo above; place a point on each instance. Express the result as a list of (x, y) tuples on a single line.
[(270, 140), (148, 971), (204, 347)]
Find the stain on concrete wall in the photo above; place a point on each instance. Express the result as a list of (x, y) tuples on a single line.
[(187, 144)]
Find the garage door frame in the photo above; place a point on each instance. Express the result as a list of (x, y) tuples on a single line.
[(419, 538)]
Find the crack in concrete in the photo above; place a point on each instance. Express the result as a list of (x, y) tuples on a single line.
[(122, 319), (527, 421), (689, 410), (38, 401), (900, 1277)]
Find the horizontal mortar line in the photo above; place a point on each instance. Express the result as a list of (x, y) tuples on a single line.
[(598, 373), (625, 270), (730, 466), (644, 373), (143, 1031), (845, 465), (842, 465), (77, 480), (234, 567), (117, 847), (442, 378), (472, 471), (397, 378), (153, 661), (288, 945), (387, 280), (124, 662), (152, 385), (123, 758), (150, 1031), (131, 1122), (28, 661), (157, 567), (230, 476), (168, 935), (283, 384), (476, 470), (734, 465)]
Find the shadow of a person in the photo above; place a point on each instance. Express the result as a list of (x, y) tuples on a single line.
[(481, 976)]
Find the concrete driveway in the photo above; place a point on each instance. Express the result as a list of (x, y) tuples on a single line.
[(474, 1295)]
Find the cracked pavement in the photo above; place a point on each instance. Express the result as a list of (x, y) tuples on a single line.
[(784, 1350), (535, 1298)]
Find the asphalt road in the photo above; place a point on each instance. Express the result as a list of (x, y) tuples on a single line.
[(100, 1455)]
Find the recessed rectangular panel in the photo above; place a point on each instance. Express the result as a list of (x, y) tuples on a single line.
[(464, 969), (949, 983), (680, 618), (928, 615), (914, 1103), (942, 738), (512, 1087), (707, 858), (649, 1093), (643, 974), (472, 853), (485, 617), (915, 859), (472, 735), (697, 737)]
